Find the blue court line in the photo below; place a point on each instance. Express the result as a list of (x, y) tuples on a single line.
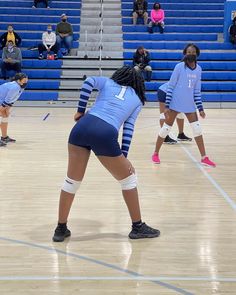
[(114, 278), (108, 265), (211, 179), (45, 118)]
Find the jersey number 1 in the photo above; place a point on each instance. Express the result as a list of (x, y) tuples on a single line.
[(122, 93)]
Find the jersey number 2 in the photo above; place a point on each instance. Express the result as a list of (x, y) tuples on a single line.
[(122, 93)]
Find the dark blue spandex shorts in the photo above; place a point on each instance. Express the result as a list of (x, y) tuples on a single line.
[(161, 95), (94, 134)]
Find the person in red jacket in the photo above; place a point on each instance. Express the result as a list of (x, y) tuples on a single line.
[(157, 18)]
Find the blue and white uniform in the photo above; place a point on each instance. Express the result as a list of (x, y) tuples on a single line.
[(184, 89), (115, 106), (9, 93)]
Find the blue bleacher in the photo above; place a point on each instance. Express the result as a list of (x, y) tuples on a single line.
[(186, 21), (30, 23)]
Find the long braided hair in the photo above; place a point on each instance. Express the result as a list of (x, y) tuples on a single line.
[(128, 76)]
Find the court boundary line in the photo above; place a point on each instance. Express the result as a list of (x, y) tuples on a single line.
[(115, 278), (95, 261), (227, 198)]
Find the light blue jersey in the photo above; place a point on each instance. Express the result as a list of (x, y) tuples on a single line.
[(184, 89), (115, 104), (9, 93)]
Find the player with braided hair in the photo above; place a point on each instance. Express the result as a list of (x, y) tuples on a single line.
[(119, 102), (9, 93)]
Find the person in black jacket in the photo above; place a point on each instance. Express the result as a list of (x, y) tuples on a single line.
[(232, 32), (141, 61), (10, 35), (140, 10), (38, 1)]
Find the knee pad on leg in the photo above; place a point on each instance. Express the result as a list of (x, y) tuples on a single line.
[(129, 182), (5, 120), (70, 186), (180, 116), (197, 129), (162, 116), (165, 130)]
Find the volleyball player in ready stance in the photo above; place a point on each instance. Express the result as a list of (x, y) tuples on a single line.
[(183, 96), (119, 102), (9, 94)]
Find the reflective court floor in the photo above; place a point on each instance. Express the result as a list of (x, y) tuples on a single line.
[(193, 206)]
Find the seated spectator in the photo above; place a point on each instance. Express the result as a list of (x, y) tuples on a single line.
[(141, 61), (140, 10), (64, 34), (157, 18), (232, 32), (36, 2), (11, 59), (49, 43), (10, 35)]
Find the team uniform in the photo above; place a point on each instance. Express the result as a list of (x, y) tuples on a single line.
[(98, 129), (161, 92), (184, 89), (9, 93)]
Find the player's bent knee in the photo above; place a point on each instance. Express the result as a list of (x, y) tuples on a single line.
[(70, 186), (165, 130), (180, 116), (162, 116), (129, 182), (197, 129)]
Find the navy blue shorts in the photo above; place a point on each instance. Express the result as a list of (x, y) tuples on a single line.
[(161, 95), (94, 134)]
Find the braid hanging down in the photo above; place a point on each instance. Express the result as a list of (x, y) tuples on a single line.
[(128, 76)]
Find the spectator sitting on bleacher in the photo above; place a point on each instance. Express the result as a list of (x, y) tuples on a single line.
[(157, 18), (140, 10), (64, 33), (141, 61), (232, 32), (10, 35), (38, 1), (49, 43), (11, 59)]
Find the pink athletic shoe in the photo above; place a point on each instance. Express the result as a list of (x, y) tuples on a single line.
[(156, 159), (207, 162)]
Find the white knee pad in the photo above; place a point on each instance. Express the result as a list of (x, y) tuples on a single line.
[(70, 186), (162, 116), (180, 116), (165, 130), (197, 129), (129, 182), (5, 120)]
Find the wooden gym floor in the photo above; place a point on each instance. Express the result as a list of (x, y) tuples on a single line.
[(194, 207)]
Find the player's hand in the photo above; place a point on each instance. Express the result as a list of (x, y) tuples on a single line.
[(78, 115), (166, 113), (131, 168), (202, 114)]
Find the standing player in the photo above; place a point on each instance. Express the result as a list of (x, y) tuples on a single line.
[(9, 93), (183, 96), (119, 102), (161, 94), (190, 49)]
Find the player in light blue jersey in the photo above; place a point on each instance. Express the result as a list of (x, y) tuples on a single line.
[(118, 103), (183, 96), (190, 49), (10, 93)]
